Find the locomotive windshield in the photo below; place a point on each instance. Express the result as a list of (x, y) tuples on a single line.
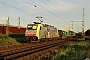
[(31, 27)]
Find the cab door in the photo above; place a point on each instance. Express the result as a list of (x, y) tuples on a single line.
[(42, 32)]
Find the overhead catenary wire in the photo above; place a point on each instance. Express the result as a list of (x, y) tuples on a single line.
[(15, 8), (44, 8), (49, 6), (21, 4), (33, 5), (29, 3), (64, 13), (26, 11), (30, 9), (18, 9), (26, 6), (57, 7), (52, 8), (66, 20)]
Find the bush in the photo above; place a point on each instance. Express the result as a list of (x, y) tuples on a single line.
[(16, 35), (19, 37), (77, 50)]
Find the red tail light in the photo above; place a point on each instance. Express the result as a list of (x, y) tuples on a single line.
[(30, 34)]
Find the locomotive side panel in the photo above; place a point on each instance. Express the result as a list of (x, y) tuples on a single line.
[(53, 32), (43, 32)]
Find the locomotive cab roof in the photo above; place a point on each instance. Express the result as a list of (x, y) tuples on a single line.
[(36, 23)]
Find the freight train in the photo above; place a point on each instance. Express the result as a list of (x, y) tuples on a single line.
[(41, 32)]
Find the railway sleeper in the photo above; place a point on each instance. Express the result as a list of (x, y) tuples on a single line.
[(24, 53)]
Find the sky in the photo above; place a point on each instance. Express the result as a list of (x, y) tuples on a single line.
[(58, 13)]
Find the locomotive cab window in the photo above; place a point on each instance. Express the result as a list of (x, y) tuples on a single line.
[(34, 27), (29, 27)]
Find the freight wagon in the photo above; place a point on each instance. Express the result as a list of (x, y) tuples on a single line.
[(11, 29)]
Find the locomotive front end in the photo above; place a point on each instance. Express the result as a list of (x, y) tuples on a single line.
[(31, 33)]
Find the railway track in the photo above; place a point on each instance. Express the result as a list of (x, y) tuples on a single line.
[(22, 50), (31, 50)]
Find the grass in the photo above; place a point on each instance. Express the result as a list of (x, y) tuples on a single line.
[(5, 41)]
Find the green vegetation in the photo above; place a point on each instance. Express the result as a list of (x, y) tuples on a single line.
[(77, 50), (5, 41), (18, 37)]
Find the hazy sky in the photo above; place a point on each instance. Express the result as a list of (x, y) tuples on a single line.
[(58, 13)]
